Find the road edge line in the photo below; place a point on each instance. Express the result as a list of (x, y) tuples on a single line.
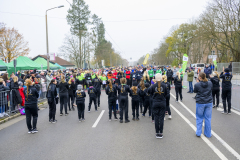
[(98, 119)]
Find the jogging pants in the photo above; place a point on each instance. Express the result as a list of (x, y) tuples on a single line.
[(81, 108), (70, 97), (63, 102), (90, 103), (112, 106), (159, 112), (123, 107), (215, 93), (226, 95), (141, 104), (147, 106), (98, 97), (135, 108), (178, 90), (31, 112), (52, 109), (167, 105)]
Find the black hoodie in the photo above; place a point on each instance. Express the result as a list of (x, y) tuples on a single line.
[(123, 90), (51, 92), (32, 97), (204, 92), (226, 81), (80, 96), (155, 94), (112, 93), (215, 81), (135, 96)]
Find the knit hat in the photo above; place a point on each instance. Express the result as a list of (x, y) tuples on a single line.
[(79, 87), (135, 83), (227, 70), (158, 77)]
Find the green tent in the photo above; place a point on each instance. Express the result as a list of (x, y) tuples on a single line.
[(23, 63), (42, 61), (61, 67), (3, 66)]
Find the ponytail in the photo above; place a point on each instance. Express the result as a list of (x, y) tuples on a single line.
[(159, 87), (28, 83), (142, 84), (62, 79), (134, 89), (110, 84), (53, 80)]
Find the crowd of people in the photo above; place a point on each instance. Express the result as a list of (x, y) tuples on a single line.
[(148, 87)]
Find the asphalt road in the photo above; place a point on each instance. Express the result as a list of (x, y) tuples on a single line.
[(69, 139)]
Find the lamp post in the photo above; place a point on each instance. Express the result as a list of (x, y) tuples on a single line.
[(47, 35)]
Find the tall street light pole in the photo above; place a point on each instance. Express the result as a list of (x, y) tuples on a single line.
[(47, 35)]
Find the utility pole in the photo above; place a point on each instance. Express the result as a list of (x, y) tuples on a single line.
[(84, 52)]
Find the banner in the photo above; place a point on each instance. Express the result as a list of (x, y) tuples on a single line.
[(215, 62), (146, 59), (185, 61)]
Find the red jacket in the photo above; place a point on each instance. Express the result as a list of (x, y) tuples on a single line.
[(128, 74), (22, 96), (114, 75)]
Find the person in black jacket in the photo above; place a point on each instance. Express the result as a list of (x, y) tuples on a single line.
[(216, 88), (135, 93), (97, 85), (14, 86), (168, 110), (203, 104), (111, 91), (226, 90), (169, 75), (146, 96), (71, 92), (3, 97), (22, 78), (92, 92), (123, 91), (80, 101), (159, 92), (63, 93), (178, 81), (31, 109), (141, 86), (51, 96)]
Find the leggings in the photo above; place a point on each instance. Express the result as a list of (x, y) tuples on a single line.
[(167, 105), (70, 97), (63, 102), (31, 112), (135, 108), (178, 90), (81, 108)]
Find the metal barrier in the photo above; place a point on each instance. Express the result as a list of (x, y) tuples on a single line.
[(221, 65), (4, 103)]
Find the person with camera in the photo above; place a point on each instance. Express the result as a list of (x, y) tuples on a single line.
[(190, 75), (203, 90), (226, 89)]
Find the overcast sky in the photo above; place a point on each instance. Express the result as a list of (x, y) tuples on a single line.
[(135, 27)]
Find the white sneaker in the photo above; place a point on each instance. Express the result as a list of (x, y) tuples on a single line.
[(1, 115), (219, 109), (164, 119), (169, 117)]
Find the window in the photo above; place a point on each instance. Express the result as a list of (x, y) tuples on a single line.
[(213, 52), (200, 65)]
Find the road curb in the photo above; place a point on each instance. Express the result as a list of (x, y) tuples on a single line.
[(40, 105)]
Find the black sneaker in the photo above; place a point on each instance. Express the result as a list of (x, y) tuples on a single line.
[(55, 121), (137, 119), (50, 121), (126, 121), (214, 106), (121, 121), (34, 130), (229, 112), (61, 114), (115, 118), (224, 112), (133, 118), (30, 131), (160, 135), (143, 115)]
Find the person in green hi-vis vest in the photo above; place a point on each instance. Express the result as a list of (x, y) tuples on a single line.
[(104, 80), (181, 71), (83, 78), (151, 73), (159, 71)]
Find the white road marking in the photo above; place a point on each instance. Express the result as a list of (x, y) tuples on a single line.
[(232, 110), (214, 148), (229, 148), (98, 119)]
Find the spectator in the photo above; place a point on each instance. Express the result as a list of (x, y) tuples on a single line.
[(3, 97), (190, 75), (21, 79), (230, 67), (21, 89), (203, 88), (169, 75), (207, 71), (16, 98)]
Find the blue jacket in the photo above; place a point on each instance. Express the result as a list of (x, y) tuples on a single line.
[(139, 74), (207, 71)]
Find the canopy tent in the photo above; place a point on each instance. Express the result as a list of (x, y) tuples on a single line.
[(42, 61), (3, 66), (23, 63), (61, 67)]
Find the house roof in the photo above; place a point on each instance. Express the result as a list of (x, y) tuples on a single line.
[(58, 60)]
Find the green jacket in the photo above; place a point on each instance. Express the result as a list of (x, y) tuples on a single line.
[(190, 76), (150, 73)]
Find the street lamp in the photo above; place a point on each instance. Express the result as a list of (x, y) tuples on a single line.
[(47, 35)]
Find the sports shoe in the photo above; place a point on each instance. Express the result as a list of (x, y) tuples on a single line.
[(50, 121), (133, 118), (110, 120), (55, 121), (83, 119), (34, 130), (224, 112), (137, 119), (164, 119), (229, 112), (219, 109), (61, 114), (96, 110), (30, 131), (160, 135), (214, 106), (169, 117), (126, 121), (80, 120), (66, 114), (69, 109), (115, 118), (143, 115), (176, 100), (121, 121), (88, 111)]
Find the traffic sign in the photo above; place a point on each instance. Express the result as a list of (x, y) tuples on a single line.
[(212, 57)]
